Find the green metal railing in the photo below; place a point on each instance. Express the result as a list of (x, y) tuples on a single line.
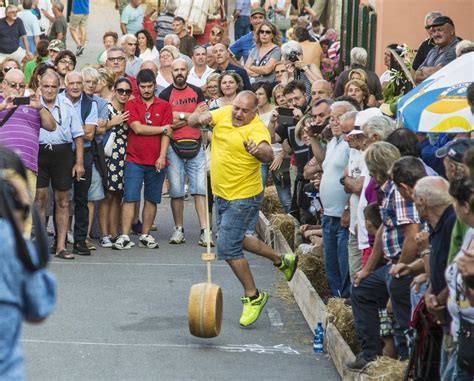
[(358, 29)]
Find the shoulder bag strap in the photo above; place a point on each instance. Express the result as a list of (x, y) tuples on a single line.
[(6, 117)]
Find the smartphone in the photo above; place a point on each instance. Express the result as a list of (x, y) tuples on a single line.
[(316, 129), (285, 116), (19, 101)]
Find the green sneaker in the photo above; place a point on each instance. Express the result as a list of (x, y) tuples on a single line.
[(288, 265), (252, 309)]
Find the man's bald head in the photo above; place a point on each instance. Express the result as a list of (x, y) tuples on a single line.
[(321, 89), (13, 83), (244, 108), (150, 65)]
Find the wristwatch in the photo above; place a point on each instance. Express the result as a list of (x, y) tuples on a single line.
[(182, 116), (165, 131)]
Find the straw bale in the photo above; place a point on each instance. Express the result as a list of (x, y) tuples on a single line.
[(386, 369), (271, 203), (313, 266), (340, 314), (286, 224)]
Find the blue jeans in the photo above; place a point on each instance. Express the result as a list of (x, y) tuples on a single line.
[(336, 257), (233, 218), (453, 372), (178, 169), (137, 175), (31, 44), (416, 296), (373, 293), (241, 26), (282, 181)]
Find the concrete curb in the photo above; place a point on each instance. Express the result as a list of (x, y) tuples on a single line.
[(312, 306)]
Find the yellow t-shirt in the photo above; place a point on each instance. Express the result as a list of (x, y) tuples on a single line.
[(235, 174)]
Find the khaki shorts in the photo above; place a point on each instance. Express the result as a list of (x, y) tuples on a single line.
[(76, 21)]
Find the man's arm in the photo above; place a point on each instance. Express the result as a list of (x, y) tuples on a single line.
[(374, 259), (318, 152), (123, 28), (409, 248), (143, 129), (47, 119), (262, 152), (78, 169), (353, 185), (89, 131), (424, 72)]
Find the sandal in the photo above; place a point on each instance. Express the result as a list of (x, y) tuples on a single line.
[(63, 254)]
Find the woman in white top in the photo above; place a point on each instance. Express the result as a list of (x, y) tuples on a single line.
[(165, 77), (229, 85), (146, 48), (263, 92)]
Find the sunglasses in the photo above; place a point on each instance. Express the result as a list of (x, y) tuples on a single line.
[(15, 85), (124, 91), (7, 69), (263, 31), (216, 32)]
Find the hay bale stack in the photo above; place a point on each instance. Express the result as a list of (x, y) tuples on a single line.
[(271, 203), (286, 224), (387, 369), (340, 314), (313, 266)]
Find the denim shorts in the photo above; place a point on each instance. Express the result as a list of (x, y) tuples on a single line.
[(178, 169), (233, 219), (96, 190), (137, 174)]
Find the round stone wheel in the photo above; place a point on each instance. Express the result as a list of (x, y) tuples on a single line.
[(205, 305)]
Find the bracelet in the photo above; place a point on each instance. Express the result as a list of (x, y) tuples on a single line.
[(424, 253)]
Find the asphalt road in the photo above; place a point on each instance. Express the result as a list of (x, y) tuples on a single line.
[(122, 315)]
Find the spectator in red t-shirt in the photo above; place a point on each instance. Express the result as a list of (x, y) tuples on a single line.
[(148, 139), (186, 157)]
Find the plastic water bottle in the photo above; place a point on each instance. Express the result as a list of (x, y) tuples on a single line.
[(318, 338)]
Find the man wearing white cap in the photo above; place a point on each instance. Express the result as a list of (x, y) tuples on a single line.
[(354, 176)]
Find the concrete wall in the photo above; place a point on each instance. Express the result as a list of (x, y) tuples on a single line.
[(402, 21)]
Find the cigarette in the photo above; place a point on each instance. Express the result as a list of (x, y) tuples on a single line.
[(82, 179)]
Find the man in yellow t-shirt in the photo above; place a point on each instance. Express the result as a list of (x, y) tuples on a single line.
[(240, 142)]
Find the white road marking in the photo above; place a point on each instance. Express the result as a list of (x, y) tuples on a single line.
[(233, 348), (274, 316), (69, 263)]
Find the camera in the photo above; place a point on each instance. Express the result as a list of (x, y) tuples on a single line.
[(293, 56)]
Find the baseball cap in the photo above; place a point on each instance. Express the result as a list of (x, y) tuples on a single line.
[(362, 117), (441, 20), (258, 11), (455, 149), (56, 45)]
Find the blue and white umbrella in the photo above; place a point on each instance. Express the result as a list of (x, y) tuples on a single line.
[(439, 103)]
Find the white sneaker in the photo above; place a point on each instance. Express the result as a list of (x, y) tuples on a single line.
[(178, 236), (146, 240), (123, 243), (70, 237), (106, 241), (203, 238)]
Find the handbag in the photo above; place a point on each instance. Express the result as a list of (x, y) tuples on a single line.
[(186, 148), (109, 144)]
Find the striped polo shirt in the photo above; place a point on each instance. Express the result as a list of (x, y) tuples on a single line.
[(21, 134)]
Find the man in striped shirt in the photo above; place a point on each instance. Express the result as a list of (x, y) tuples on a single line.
[(164, 24), (20, 125)]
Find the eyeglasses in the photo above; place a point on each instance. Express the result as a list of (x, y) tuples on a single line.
[(116, 59), (124, 91), (16, 85), (265, 31), (216, 32), (66, 62), (147, 119), (7, 69)]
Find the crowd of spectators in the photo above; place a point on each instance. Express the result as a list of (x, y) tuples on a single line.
[(392, 207)]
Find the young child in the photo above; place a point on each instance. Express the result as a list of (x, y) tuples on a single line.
[(372, 224)]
